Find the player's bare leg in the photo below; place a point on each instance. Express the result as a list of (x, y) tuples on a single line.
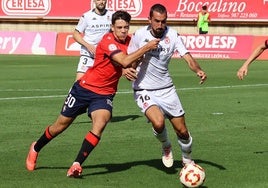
[(51, 132), (160, 132), (184, 139)]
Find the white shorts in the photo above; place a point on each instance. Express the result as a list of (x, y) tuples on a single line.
[(85, 62), (166, 99)]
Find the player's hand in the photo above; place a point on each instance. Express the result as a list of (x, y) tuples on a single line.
[(91, 49), (243, 71), (130, 73), (153, 44), (202, 75)]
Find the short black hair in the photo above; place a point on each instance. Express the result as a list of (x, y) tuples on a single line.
[(121, 15), (158, 8), (204, 7)]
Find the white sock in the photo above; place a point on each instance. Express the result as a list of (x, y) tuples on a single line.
[(186, 147), (162, 137)]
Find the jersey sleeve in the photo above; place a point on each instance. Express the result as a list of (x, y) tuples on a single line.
[(133, 44), (82, 24), (109, 46), (180, 47)]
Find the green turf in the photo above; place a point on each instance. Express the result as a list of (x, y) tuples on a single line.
[(228, 120)]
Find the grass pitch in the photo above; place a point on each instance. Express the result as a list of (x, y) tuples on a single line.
[(228, 120)]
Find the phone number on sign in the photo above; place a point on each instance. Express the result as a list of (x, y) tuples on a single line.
[(238, 15)]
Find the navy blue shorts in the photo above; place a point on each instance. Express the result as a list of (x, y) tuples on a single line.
[(80, 100)]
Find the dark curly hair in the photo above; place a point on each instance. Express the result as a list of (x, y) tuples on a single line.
[(121, 15)]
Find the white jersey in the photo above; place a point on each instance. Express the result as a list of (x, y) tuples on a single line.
[(94, 26), (153, 70)]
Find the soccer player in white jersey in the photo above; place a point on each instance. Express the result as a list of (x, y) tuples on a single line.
[(89, 31), (154, 90)]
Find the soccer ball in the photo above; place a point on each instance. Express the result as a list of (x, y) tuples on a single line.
[(192, 175)]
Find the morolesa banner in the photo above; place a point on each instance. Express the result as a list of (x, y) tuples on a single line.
[(222, 10), (63, 44), (200, 46)]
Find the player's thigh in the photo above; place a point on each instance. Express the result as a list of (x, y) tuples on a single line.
[(155, 115), (100, 118), (100, 111), (76, 101), (169, 102), (144, 100)]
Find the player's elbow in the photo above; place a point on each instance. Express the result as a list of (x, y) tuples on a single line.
[(125, 62)]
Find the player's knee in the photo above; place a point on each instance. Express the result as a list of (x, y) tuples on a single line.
[(60, 125), (159, 129), (183, 134), (159, 125)]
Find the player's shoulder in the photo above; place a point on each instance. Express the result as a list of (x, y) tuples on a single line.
[(107, 37), (142, 30), (172, 33), (88, 13), (110, 38), (109, 12), (106, 40)]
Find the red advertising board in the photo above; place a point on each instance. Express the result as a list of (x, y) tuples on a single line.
[(66, 45), (219, 46), (256, 42), (231, 10), (200, 46)]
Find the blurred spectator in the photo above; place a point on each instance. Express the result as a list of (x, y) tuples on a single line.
[(202, 20)]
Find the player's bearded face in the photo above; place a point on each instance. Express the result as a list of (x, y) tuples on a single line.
[(100, 4), (158, 32), (158, 24)]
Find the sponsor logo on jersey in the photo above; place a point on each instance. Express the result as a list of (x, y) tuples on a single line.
[(112, 47)]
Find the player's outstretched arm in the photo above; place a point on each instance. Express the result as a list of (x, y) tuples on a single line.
[(195, 67), (243, 70)]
